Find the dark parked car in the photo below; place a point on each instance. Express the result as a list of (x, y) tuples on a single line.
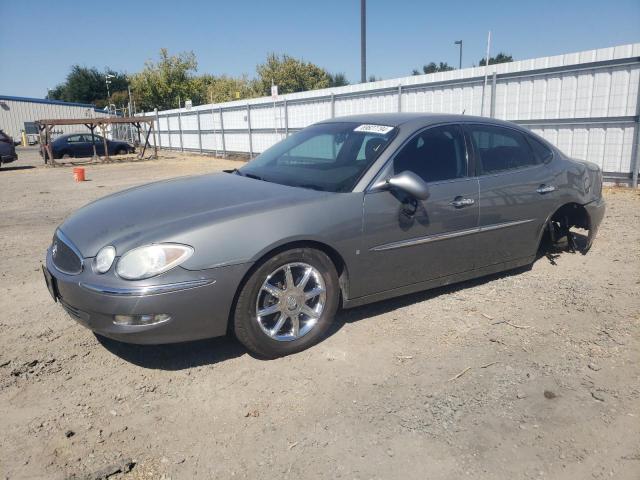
[(81, 145), (7, 149), (345, 212)]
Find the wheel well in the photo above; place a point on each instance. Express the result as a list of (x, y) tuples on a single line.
[(574, 214), (332, 253), (567, 216)]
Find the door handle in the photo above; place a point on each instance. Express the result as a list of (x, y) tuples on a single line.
[(542, 189), (460, 202)]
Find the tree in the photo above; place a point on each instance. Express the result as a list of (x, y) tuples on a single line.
[(434, 68), (120, 98), (161, 84), (88, 85), (499, 58), (174, 77), (291, 75), (225, 89), (338, 80)]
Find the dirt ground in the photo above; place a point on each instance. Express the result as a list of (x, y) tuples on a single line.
[(531, 374)]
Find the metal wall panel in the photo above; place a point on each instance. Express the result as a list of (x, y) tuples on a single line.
[(189, 121), (212, 142), (235, 119), (586, 103), (190, 141), (13, 114), (302, 114)]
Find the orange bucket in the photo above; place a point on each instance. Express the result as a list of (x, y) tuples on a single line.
[(78, 174)]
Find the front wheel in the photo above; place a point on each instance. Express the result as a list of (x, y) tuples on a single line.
[(288, 303)]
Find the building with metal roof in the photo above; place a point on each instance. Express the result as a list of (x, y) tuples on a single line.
[(18, 114)]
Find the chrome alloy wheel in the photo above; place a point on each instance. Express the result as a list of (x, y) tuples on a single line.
[(290, 301)]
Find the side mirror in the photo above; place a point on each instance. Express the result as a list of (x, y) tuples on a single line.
[(408, 182)]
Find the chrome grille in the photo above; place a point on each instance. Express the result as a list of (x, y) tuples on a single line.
[(66, 257)]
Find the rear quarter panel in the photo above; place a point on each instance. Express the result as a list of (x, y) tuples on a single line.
[(578, 181)]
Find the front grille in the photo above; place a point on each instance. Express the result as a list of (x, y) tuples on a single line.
[(66, 257)]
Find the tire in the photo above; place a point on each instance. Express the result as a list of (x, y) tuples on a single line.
[(65, 155), (250, 329), (121, 151)]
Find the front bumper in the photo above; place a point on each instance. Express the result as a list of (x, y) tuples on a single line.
[(9, 158), (198, 302)]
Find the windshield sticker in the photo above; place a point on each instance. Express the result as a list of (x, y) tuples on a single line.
[(381, 129)]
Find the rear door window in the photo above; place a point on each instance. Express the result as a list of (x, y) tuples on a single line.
[(542, 153), (500, 149)]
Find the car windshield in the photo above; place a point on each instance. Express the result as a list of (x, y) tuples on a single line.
[(330, 157)]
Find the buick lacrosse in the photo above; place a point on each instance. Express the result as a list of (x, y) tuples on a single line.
[(345, 212)]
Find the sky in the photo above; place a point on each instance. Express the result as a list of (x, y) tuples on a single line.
[(40, 40)]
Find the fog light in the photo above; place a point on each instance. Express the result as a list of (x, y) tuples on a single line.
[(149, 319)]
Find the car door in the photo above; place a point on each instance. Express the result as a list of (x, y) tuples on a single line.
[(517, 193), (99, 142), (74, 145), (87, 147), (405, 240), (81, 145)]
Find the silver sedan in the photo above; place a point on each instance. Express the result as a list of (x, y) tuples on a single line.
[(345, 212)]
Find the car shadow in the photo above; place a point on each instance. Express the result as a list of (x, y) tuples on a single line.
[(552, 252), (547, 252), (89, 161), (356, 314), (17, 167), (175, 356)]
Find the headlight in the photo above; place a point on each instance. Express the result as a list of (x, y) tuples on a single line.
[(104, 259), (151, 260)]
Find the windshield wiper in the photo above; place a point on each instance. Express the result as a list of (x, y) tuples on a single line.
[(312, 187), (235, 171), (251, 175)]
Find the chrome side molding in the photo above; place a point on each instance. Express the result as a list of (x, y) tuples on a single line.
[(444, 236)]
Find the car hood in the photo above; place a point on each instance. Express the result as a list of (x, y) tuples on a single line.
[(170, 210)]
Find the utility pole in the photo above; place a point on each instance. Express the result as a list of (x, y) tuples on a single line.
[(459, 42), (363, 41)]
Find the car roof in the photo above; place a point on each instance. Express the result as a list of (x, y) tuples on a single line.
[(66, 135), (398, 119)]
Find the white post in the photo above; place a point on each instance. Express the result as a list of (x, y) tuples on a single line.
[(486, 72)]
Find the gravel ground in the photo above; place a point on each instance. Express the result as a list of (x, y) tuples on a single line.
[(530, 374)]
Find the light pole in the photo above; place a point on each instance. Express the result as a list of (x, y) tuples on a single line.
[(363, 41), (459, 42), (129, 90), (107, 80)]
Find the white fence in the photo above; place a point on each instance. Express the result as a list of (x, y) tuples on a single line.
[(586, 103)]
